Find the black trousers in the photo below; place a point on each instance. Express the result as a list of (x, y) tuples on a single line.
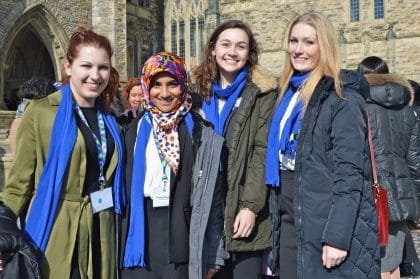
[(242, 265), (158, 266), (96, 252), (287, 253)]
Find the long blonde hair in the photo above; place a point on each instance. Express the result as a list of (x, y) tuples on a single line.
[(329, 57)]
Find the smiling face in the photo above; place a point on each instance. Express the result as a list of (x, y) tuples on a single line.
[(303, 47), (165, 91), (89, 74), (231, 52), (135, 98)]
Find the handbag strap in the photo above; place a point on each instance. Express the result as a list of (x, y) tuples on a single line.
[(372, 152)]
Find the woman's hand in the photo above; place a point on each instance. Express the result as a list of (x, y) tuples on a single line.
[(244, 223), (211, 272), (332, 256)]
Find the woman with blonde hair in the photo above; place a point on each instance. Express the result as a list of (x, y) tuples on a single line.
[(317, 164)]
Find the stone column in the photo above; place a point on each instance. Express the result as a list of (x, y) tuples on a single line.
[(212, 17), (390, 47), (342, 42), (109, 19)]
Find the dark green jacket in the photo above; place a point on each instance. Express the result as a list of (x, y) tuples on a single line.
[(246, 162), (246, 140)]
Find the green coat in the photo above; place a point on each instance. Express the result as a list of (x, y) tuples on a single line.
[(73, 220), (246, 162)]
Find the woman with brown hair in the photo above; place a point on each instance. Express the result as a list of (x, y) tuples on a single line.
[(236, 96), (68, 167)]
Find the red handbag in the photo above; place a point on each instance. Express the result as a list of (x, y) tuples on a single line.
[(379, 193)]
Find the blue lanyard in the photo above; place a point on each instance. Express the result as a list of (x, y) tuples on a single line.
[(162, 159), (101, 146)]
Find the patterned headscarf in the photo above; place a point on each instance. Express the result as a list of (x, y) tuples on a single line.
[(166, 130)]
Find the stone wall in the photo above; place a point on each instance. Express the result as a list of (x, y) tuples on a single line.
[(145, 30), (109, 19), (270, 19)]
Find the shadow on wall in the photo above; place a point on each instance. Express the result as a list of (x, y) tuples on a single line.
[(2, 168)]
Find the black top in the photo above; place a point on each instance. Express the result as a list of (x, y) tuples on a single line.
[(92, 164)]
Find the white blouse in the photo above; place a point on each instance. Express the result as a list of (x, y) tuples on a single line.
[(287, 162), (154, 169)]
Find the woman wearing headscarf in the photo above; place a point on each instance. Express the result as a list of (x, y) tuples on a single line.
[(172, 227), (69, 168)]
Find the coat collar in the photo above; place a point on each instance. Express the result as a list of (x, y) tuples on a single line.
[(55, 98), (263, 80), (382, 79)]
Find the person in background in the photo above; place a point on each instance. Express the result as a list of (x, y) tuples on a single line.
[(317, 165), (33, 88), (173, 225), (410, 265), (416, 104), (396, 141), (236, 96), (133, 94), (69, 167)]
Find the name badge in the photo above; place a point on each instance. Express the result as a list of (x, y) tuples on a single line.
[(101, 200), (160, 196), (238, 102)]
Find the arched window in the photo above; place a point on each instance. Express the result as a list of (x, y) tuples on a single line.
[(185, 29), (136, 57), (201, 32), (354, 10), (144, 3), (379, 9), (181, 38), (193, 30), (173, 37)]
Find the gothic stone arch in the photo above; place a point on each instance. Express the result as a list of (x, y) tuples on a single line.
[(46, 33)]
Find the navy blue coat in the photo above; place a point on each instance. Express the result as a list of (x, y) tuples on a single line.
[(333, 201), (396, 141)]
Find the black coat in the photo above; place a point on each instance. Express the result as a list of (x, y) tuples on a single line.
[(396, 141), (180, 190), (18, 253), (333, 202)]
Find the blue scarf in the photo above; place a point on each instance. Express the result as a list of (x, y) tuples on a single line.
[(231, 92), (134, 255), (283, 143), (42, 214)]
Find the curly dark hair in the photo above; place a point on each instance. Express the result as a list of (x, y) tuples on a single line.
[(35, 88)]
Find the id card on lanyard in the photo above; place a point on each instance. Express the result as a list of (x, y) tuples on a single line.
[(160, 194), (102, 199)]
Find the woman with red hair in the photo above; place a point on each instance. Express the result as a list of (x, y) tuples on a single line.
[(133, 94), (68, 168)]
